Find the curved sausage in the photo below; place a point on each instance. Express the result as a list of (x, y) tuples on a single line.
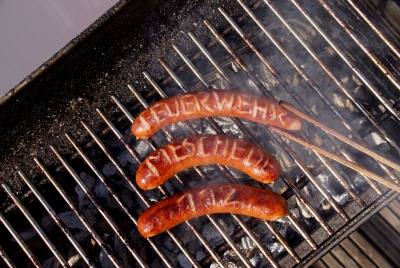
[(197, 150), (226, 198), (216, 102)]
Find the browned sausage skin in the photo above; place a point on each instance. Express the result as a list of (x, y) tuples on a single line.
[(226, 198), (214, 102), (197, 150)]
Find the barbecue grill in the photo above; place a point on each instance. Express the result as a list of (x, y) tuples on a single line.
[(69, 159)]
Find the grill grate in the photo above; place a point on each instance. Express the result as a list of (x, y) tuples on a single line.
[(88, 210)]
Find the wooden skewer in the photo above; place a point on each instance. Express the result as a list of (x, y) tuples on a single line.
[(342, 138), (340, 160)]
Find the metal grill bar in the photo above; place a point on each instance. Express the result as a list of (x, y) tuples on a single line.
[(361, 44), (390, 174), (20, 241), (98, 141), (295, 95), (280, 238), (213, 221), (218, 129), (346, 217), (304, 168), (6, 259), (244, 67), (133, 153), (305, 235), (348, 229), (56, 218), (101, 210), (337, 81), (114, 195), (374, 27), (386, 103), (79, 215), (290, 217), (35, 225), (384, 17), (323, 96), (220, 70), (191, 66)]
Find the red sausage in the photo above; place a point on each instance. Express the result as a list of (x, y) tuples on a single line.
[(216, 102), (227, 198), (197, 150)]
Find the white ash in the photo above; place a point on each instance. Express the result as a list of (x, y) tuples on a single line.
[(303, 209), (74, 259), (314, 109), (246, 243), (340, 195), (342, 102), (214, 265), (232, 265), (340, 198), (382, 108), (256, 260), (312, 194), (235, 67), (231, 259), (295, 212), (358, 181), (275, 247), (358, 123), (374, 139)]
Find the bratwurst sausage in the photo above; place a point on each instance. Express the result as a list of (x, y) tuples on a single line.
[(197, 150), (216, 102), (226, 198)]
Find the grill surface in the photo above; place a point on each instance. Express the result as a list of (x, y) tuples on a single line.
[(76, 201)]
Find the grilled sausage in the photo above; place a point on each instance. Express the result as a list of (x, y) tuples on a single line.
[(226, 198), (191, 151), (207, 103)]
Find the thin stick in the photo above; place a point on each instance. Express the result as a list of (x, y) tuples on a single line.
[(340, 160), (342, 138)]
